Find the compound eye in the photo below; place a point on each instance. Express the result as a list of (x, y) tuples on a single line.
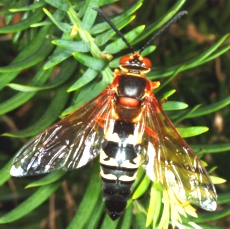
[(147, 62), (124, 60)]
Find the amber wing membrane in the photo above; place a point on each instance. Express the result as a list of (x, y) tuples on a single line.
[(171, 162), (68, 144)]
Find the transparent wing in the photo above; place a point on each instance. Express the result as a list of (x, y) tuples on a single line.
[(172, 162), (68, 144)]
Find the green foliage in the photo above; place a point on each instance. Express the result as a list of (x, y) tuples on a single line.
[(53, 62)]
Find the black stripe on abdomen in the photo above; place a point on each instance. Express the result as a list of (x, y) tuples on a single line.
[(119, 166), (116, 190)]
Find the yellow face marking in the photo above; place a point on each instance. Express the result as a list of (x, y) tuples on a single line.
[(110, 162), (127, 178), (140, 58), (108, 176)]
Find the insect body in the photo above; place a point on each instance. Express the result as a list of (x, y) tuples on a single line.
[(122, 146), (126, 125)]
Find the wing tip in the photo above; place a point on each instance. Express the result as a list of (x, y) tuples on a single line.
[(16, 172), (210, 204)]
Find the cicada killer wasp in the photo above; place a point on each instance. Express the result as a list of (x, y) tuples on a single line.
[(127, 126)]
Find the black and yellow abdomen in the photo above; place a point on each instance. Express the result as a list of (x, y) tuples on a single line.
[(119, 159)]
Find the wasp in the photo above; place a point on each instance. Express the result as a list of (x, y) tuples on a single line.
[(127, 127)]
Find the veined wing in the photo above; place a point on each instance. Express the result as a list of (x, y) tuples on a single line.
[(68, 144), (172, 162)]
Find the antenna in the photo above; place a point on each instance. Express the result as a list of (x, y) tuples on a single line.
[(114, 28), (174, 19)]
